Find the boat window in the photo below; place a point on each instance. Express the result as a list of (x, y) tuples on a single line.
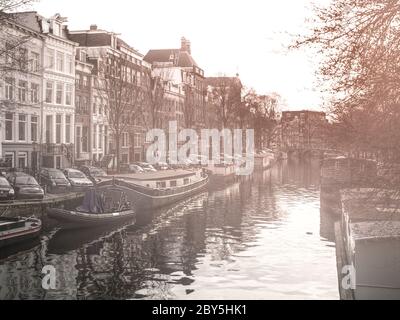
[(173, 183), (186, 181), (161, 184)]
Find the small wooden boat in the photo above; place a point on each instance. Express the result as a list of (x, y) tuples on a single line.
[(99, 208), (17, 230)]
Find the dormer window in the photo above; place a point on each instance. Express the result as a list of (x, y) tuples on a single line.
[(57, 29)]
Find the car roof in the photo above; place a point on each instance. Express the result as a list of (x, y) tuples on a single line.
[(51, 169), (19, 174)]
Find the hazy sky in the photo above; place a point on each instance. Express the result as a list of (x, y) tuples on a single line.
[(228, 36)]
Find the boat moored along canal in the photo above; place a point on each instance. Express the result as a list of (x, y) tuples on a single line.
[(159, 189), (369, 238), (99, 207), (17, 230)]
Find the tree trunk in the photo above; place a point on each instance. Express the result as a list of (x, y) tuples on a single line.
[(118, 151)]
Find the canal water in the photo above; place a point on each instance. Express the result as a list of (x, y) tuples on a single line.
[(263, 238)]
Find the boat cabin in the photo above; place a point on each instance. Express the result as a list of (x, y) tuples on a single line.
[(160, 180)]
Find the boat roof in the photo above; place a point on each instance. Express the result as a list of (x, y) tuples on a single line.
[(159, 175), (376, 230)]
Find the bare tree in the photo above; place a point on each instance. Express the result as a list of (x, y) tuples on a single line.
[(189, 106), (264, 116), (227, 97), (13, 55), (156, 101), (125, 99), (359, 41)]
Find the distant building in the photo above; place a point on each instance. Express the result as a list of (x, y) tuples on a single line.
[(188, 78), (303, 129)]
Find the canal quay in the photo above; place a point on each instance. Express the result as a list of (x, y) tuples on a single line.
[(261, 238)]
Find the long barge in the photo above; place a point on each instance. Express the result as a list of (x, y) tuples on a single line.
[(159, 189)]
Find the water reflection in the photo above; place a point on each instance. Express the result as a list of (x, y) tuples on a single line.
[(263, 238)]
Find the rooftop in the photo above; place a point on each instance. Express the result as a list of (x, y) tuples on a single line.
[(376, 230)]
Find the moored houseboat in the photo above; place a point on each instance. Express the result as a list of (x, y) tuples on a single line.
[(369, 235), (264, 160), (222, 174), (157, 189)]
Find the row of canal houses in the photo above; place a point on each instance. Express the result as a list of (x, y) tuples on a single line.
[(53, 115)]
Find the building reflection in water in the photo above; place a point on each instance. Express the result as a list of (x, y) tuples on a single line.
[(193, 249)]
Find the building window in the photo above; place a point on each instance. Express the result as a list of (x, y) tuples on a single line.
[(125, 140), (137, 140), (59, 93), (35, 62), (78, 105), (85, 81), (94, 137), (68, 95), (85, 139), (100, 137), (50, 59), (70, 64), (161, 185), (57, 29), (9, 157), (9, 126), (34, 128), (78, 80), (22, 89), (34, 93), (49, 129), (67, 129), (49, 92), (60, 62), (58, 162), (58, 128), (22, 160), (23, 59), (10, 88), (85, 105), (22, 127)]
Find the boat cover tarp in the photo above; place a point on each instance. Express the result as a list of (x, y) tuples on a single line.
[(93, 203)]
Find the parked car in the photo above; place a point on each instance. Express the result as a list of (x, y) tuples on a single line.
[(78, 180), (162, 166), (25, 186), (94, 174), (146, 167), (54, 180), (6, 191), (133, 168)]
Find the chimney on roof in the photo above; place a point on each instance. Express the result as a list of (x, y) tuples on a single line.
[(185, 45), (93, 27)]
